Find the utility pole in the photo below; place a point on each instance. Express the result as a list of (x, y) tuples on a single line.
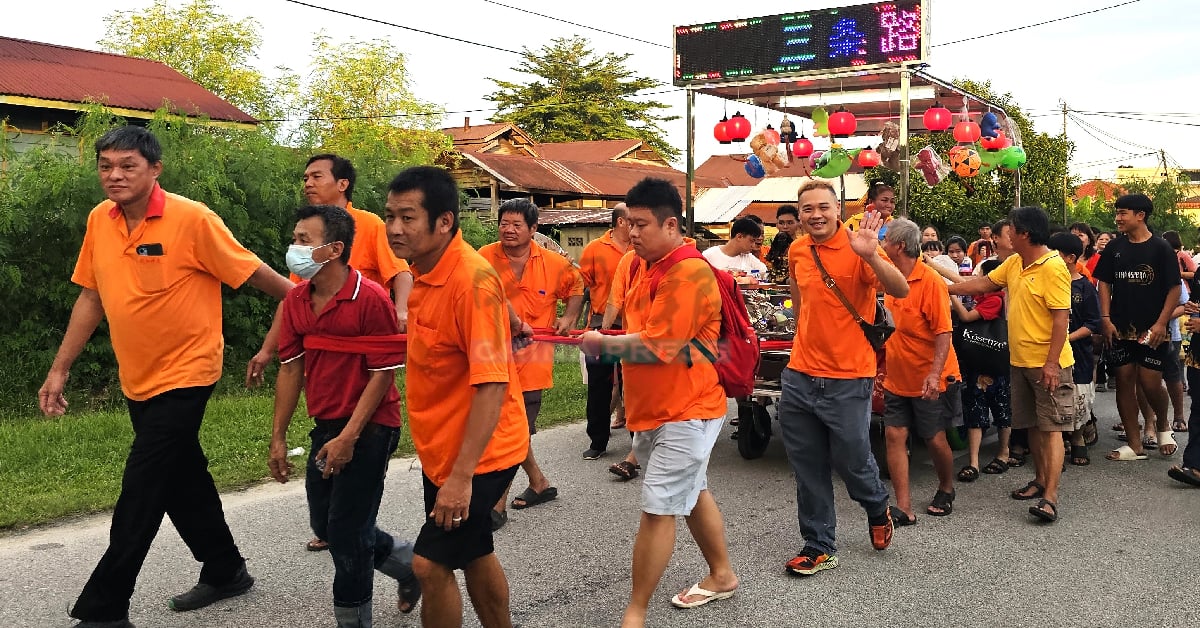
[(1162, 155), (1067, 170)]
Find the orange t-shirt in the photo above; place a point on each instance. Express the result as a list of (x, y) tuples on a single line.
[(458, 338), (920, 316), (620, 281), (598, 264), (547, 278), (828, 341), (371, 254), (160, 287), (686, 307)]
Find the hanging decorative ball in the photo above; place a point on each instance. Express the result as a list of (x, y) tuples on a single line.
[(937, 118), (999, 142), (966, 132), (868, 158), (803, 147), (739, 127), (772, 135), (721, 131), (965, 163), (842, 123)]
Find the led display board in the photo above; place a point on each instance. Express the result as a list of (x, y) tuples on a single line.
[(860, 36)]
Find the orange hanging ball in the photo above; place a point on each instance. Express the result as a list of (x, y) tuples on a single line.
[(965, 163)]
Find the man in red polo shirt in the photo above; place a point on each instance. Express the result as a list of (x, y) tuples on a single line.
[(353, 399)]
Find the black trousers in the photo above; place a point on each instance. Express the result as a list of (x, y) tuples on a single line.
[(166, 473), (601, 374)]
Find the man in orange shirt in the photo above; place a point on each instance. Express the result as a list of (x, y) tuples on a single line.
[(598, 265), (921, 388), (152, 264), (674, 403), (465, 410), (534, 282), (825, 409)]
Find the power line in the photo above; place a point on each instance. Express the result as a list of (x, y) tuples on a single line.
[(1084, 123), (407, 28), (1107, 115), (1021, 28), (1096, 137), (593, 28)]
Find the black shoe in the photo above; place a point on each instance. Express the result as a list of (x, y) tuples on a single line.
[(593, 454), (116, 623), (203, 594), (499, 518)]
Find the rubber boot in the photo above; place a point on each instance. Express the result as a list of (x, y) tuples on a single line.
[(353, 616)]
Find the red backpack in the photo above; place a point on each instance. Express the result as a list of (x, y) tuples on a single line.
[(737, 345)]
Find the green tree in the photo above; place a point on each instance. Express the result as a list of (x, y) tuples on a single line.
[(204, 45), (959, 206), (359, 103), (579, 95)]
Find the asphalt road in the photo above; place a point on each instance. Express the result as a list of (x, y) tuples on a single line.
[(1123, 553)]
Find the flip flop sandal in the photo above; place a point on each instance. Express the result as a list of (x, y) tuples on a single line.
[(499, 519), (967, 474), (996, 467), (944, 502), (316, 545), (1185, 475), (1180, 426), (1165, 440), (1126, 453), (1119, 427), (1015, 461), (1040, 511), (1149, 443), (708, 596), (410, 592), (531, 498), (625, 470), (1023, 494), (901, 519), (1079, 456)]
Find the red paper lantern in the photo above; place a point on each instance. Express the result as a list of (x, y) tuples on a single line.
[(739, 127), (803, 147), (937, 117), (721, 131), (771, 134), (966, 132), (842, 123), (999, 142), (868, 158)]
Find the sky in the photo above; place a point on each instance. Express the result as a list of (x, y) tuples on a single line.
[(1109, 66)]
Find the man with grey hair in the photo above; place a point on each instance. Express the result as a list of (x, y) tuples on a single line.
[(921, 387)]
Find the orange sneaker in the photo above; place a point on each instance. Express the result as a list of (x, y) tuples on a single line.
[(810, 560), (881, 535)]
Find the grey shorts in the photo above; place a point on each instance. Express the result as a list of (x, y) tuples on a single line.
[(675, 458), (926, 417), (1173, 365), (1035, 407)]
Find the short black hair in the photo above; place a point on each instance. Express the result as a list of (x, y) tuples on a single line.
[(1066, 243), (959, 240), (877, 188), (988, 265), (755, 218), (131, 137), (439, 192), (1172, 238), (341, 169), (659, 196), (1033, 221), (339, 225), (1135, 203), (787, 209), (745, 226), (984, 225), (932, 245), (999, 225), (522, 207)]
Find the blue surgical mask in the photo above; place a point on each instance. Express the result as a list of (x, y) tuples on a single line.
[(300, 260)]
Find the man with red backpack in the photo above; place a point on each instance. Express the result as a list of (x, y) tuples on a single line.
[(673, 314)]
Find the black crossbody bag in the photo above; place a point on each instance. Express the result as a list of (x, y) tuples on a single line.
[(878, 332)]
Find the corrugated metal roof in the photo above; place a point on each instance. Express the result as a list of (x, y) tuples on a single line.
[(586, 216), (476, 133), (50, 72), (719, 205), (590, 151)]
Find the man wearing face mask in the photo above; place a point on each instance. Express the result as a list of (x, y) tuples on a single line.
[(354, 403)]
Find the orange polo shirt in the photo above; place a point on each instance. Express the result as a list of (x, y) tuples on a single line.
[(598, 264), (620, 281), (920, 317), (160, 287), (828, 341), (458, 338), (548, 277), (371, 254), (686, 307)]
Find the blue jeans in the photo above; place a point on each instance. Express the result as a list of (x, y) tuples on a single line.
[(825, 425), (342, 509)]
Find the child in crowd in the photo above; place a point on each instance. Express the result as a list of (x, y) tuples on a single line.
[(1084, 321), (956, 250), (984, 389)]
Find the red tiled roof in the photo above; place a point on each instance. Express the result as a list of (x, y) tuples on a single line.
[(608, 179), (1106, 189), (50, 72), (591, 151)]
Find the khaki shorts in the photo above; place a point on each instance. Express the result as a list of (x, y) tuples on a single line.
[(1035, 407)]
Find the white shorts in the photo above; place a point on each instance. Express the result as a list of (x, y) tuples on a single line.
[(675, 458)]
